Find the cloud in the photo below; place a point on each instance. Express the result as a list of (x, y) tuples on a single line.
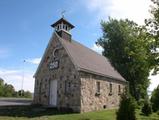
[(136, 10), (96, 48), (154, 82), (15, 78), (34, 60)]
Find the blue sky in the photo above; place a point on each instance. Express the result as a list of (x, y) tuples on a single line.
[(25, 29)]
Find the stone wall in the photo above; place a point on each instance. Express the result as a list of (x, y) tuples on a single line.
[(68, 88), (91, 100)]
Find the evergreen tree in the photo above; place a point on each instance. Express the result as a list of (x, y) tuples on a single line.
[(155, 99), (126, 109), (146, 109)]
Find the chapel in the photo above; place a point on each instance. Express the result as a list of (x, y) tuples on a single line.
[(73, 76)]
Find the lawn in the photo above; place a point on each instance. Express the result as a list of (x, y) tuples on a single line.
[(38, 113)]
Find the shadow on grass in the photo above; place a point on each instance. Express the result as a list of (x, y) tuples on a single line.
[(30, 111)]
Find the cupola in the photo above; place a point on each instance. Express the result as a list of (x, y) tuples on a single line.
[(63, 27)]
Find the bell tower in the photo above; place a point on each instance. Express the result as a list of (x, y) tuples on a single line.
[(63, 27)]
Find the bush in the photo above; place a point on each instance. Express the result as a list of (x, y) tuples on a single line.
[(155, 99), (147, 109), (126, 109)]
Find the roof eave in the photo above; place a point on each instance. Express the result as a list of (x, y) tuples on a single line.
[(62, 19), (92, 72)]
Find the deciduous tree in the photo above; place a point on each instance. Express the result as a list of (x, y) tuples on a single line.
[(128, 47)]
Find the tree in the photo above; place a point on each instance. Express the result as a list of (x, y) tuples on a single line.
[(27, 94), (146, 109), (126, 109), (8, 90), (155, 99), (1, 86), (128, 47), (152, 25)]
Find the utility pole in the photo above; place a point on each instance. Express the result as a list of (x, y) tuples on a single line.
[(22, 79)]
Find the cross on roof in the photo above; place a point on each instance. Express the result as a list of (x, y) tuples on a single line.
[(62, 13)]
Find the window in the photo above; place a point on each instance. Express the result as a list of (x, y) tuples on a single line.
[(60, 26), (119, 90), (40, 87), (97, 88), (57, 27), (69, 84), (67, 87), (64, 27), (66, 90), (110, 89)]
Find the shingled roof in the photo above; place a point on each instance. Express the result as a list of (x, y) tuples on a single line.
[(88, 60), (85, 59)]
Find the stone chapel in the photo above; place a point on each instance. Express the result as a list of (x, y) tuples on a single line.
[(72, 76)]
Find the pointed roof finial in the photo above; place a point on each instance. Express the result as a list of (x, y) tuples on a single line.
[(62, 13)]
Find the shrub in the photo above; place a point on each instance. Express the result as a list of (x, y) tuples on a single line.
[(126, 109), (147, 109), (157, 112), (155, 99)]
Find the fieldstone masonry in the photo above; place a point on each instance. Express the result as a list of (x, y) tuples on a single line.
[(78, 89), (105, 100)]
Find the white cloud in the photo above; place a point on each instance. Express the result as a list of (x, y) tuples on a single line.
[(96, 48), (154, 82), (34, 60), (15, 78), (136, 10)]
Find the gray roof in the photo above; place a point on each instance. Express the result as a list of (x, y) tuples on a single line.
[(85, 59), (88, 60)]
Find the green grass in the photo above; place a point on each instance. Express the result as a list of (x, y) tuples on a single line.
[(38, 113)]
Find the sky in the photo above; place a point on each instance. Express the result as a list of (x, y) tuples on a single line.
[(25, 30)]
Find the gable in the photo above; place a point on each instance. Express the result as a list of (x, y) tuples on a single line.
[(48, 56), (45, 55)]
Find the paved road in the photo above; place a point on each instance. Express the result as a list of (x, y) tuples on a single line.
[(14, 101)]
